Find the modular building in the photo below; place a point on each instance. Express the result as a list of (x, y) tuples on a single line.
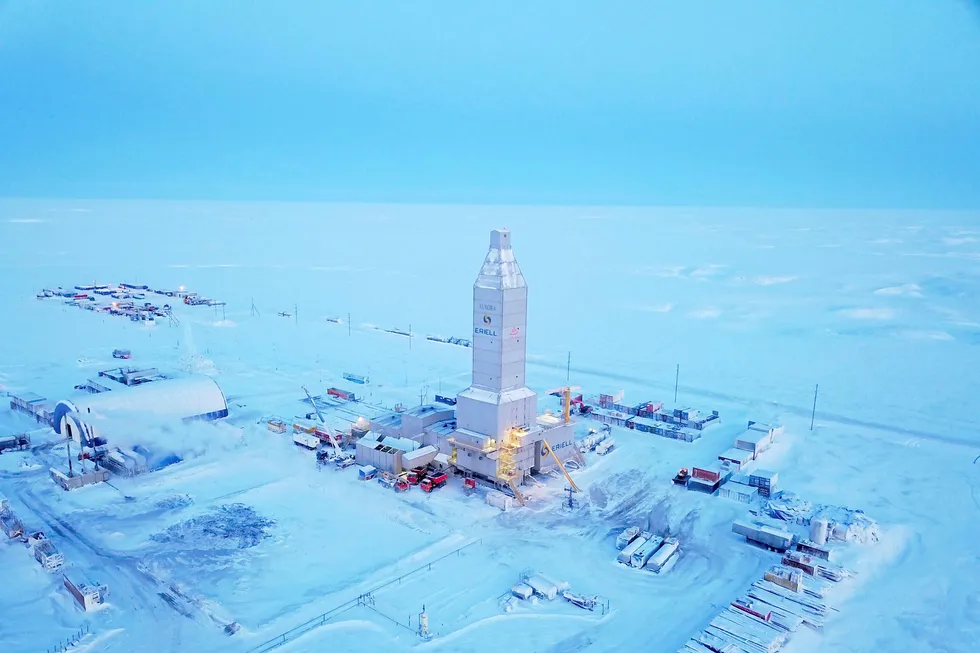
[(87, 595), (385, 453)]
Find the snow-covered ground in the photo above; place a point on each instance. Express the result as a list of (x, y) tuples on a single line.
[(756, 306)]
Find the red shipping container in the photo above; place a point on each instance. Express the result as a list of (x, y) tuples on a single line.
[(710, 475)]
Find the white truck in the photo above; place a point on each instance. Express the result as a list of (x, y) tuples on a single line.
[(306, 440)]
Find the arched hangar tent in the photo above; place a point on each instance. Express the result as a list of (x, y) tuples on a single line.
[(191, 397)]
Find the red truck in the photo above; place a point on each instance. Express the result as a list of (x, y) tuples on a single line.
[(433, 481), (417, 475)]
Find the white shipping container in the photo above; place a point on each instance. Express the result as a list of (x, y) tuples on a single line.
[(626, 555), (663, 555)]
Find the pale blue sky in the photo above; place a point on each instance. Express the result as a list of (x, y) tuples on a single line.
[(811, 102)]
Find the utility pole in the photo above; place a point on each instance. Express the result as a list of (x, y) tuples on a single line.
[(255, 311), (296, 314), (677, 379), (813, 415), (568, 368)]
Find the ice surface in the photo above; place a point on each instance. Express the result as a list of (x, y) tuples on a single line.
[(895, 432)]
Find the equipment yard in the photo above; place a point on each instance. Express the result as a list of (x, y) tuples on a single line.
[(341, 488)]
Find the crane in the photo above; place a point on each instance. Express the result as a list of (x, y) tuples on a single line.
[(546, 449), (322, 420), (566, 394)]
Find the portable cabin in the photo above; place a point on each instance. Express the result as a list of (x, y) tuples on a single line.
[(366, 472), (87, 595)]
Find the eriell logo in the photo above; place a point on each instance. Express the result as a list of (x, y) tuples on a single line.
[(486, 319), (480, 331)]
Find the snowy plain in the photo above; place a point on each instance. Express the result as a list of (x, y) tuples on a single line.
[(756, 305)]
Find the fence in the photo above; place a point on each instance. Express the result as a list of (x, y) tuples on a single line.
[(71, 641), (364, 600)]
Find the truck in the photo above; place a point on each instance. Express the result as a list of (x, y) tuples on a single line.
[(767, 536), (434, 481), (417, 475), (122, 353), (306, 441)]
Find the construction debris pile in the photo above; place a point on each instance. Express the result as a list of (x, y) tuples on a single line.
[(843, 524)]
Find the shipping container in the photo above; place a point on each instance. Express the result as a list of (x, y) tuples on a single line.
[(738, 492), (712, 473), (755, 442), (762, 534), (764, 480), (367, 472), (660, 559), (356, 378), (737, 457), (701, 485)]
